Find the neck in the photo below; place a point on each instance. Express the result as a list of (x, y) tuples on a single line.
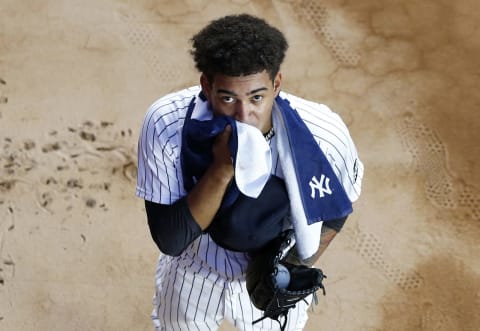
[(269, 134)]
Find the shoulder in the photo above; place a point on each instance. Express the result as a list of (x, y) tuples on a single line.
[(163, 122), (318, 117), (171, 107), (166, 116), (333, 137)]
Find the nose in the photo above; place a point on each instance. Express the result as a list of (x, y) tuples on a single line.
[(241, 111)]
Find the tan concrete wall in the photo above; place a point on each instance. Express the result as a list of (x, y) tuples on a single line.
[(77, 77)]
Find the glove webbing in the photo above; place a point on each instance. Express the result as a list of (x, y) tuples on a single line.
[(285, 302), (282, 300)]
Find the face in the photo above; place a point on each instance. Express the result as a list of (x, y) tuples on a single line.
[(248, 99)]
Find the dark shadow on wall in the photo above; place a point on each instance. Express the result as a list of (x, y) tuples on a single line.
[(448, 300)]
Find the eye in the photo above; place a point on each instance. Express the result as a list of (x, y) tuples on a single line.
[(228, 99), (257, 98)]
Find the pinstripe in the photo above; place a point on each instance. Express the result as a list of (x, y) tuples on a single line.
[(219, 302), (240, 265), (335, 143), (199, 296), (164, 117), (344, 161), (156, 168), (172, 287), (167, 175), (160, 287), (216, 257), (166, 172), (327, 121), (228, 265), (242, 314), (189, 296), (179, 299), (252, 313), (321, 132), (177, 176), (232, 311), (206, 250), (210, 299), (142, 143)]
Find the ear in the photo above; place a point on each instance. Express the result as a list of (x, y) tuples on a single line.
[(206, 86), (277, 83)]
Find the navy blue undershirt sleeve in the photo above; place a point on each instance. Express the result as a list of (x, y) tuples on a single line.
[(172, 227), (336, 224)]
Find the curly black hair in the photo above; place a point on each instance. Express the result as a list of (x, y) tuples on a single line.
[(238, 45)]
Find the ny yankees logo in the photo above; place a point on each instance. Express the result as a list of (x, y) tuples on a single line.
[(323, 186)]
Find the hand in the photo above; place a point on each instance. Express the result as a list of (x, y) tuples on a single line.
[(222, 159), (207, 194)]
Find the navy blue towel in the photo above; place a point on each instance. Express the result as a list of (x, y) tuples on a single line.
[(323, 196), (196, 156)]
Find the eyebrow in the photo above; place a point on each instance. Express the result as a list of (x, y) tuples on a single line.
[(249, 93)]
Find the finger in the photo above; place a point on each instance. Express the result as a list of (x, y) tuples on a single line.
[(225, 135), (228, 130)]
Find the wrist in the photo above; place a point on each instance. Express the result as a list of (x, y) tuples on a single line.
[(222, 173)]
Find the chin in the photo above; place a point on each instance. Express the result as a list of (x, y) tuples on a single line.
[(252, 124)]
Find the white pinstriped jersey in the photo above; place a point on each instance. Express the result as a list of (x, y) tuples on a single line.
[(160, 174)]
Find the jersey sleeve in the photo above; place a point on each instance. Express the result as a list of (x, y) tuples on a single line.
[(342, 155), (159, 175)]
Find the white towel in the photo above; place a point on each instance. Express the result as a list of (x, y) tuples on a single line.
[(307, 236), (253, 163)]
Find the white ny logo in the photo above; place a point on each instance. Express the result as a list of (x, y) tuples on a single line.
[(319, 185)]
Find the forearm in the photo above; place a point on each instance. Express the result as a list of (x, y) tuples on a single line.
[(326, 237), (172, 226), (206, 196)]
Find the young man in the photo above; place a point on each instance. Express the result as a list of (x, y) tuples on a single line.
[(205, 212)]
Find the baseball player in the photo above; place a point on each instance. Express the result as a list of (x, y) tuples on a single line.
[(203, 227)]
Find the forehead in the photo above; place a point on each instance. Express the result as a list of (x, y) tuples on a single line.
[(242, 84)]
